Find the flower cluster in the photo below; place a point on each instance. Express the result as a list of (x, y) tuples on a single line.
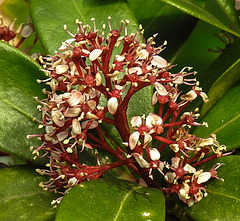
[(91, 81), (8, 34)]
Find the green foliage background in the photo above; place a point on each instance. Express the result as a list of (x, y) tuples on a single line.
[(190, 27)]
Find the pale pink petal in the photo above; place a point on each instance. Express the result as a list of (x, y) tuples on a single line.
[(98, 79), (191, 95), (161, 90), (204, 96), (133, 139), (143, 54), (62, 135), (95, 54), (189, 168), (112, 105), (169, 177), (141, 161), (60, 69), (136, 121), (203, 177), (175, 162), (75, 98), (147, 139), (154, 98), (137, 70), (58, 118), (154, 154), (93, 125), (72, 112), (159, 61), (76, 127)]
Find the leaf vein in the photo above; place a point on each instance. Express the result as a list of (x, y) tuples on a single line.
[(16, 108), (123, 201), (79, 11), (227, 123), (222, 194)]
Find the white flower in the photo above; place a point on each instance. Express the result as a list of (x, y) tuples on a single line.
[(95, 54), (75, 98), (133, 139), (137, 70), (140, 160), (154, 154), (191, 95), (161, 90), (159, 62), (60, 69), (112, 105), (76, 127), (203, 177)]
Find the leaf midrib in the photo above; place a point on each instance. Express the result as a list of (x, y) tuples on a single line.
[(22, 195), (124, 199), (16, 108), (224, 195), (227, 123), (82, 17)]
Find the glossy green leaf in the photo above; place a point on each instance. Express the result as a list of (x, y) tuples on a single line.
[(224, 119), (112, 199), (49, 18), (171, 24), (21, 198), (18, 86), (195, 52), (221, 75), (192, 8), (228, 7), (222, 201)]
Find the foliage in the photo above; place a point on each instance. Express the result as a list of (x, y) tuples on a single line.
[(200, 33)]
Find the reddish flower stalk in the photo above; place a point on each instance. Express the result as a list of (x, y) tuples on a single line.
[(90, 85)]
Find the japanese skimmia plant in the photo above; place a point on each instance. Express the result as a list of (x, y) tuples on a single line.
[(120, 127)]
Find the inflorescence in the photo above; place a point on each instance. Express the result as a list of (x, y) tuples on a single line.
[(90, 85)]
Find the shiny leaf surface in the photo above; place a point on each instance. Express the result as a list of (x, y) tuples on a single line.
[(112, 199), (221, 75), (193, 8), (18, 86), (21, 198)]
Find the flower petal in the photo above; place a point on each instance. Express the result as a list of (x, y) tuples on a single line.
[(141, 161), (154, 154), (112, 105), (60, 69), (159, 61), (133, 139), (76, 127), (95, 54), (203, 177), (136, 121)]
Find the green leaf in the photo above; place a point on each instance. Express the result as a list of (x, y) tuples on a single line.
[(17, 107), (222, 201), (226, 69), (112, 199), (193, 8), (224, 120), (171, 24), (49, 18), (195, 50), (228, 7), (21, 198)]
